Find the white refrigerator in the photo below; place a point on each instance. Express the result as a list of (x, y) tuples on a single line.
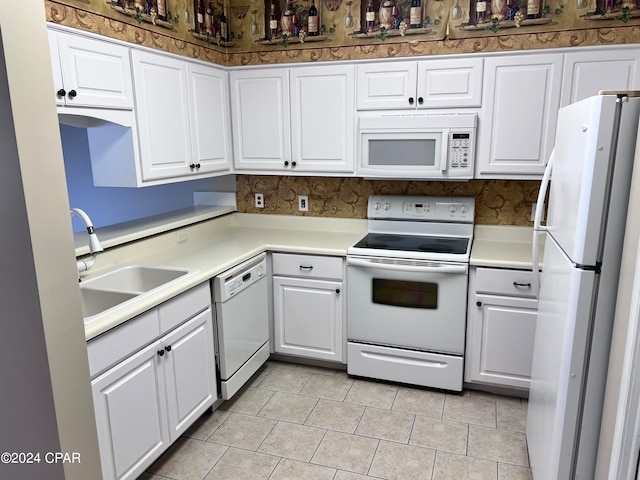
[(590, 171)]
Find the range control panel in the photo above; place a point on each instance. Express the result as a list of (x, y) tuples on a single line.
[(433, 209)]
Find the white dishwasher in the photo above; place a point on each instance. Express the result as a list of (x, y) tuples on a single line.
[(241, 324)]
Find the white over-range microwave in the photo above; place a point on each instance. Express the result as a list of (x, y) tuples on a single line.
[(420, 146)]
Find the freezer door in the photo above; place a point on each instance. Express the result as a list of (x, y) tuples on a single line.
[(562, 335), (578, 182)]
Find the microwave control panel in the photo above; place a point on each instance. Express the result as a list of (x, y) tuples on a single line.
[(460, 150)]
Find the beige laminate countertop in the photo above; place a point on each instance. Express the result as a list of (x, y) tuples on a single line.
[(215, 246), (504, 247)]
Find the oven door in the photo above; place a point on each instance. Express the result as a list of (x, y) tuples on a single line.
[(404, 153), (410, 304)]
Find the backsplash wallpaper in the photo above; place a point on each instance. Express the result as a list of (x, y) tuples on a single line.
[(498, 202), (450, 29)]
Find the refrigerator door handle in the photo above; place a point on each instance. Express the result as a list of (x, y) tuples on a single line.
[(537, 220)]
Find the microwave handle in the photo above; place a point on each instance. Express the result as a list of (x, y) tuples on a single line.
[(444, 153)]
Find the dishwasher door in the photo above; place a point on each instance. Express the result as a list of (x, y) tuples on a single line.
[(242, 324)]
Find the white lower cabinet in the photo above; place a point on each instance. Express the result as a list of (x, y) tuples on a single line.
[(501, 324), (146, 401), (308, 312)]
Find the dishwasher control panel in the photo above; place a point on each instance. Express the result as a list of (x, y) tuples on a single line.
[(237, 279)]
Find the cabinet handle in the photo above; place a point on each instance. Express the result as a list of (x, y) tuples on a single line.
[(293, 164), (160, 353), (168, 348), (62, 92), (72, 93), (521, 285), (478, 304), (410, 100), (420, 100), (338, 291), (308, 268), (286, 163)]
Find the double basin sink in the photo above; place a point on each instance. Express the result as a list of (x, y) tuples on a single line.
[(104, 293)]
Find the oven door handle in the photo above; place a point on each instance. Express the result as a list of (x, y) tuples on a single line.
[(434, 268)]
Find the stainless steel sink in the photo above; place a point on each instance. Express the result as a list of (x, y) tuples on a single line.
[(98, 301), (110, 290), (136, 279)]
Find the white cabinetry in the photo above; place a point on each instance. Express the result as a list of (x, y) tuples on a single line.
[(308, 306), (586, 73), (424, 84), (90, 73), (516, 131), (294, 120), (501, 325), (148, 399), (182, 113)]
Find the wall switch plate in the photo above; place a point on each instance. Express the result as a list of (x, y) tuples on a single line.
[(259, 200), (303, 203), (182, 236)]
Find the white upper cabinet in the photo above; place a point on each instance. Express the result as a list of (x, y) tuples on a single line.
[(90, 73), (182, 115), (209, 114), (261, 123), (516, 130), (322, 118), (423, 84), (293, 120), (586, 73)]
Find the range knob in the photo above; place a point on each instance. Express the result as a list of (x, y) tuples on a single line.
[(464, 208), (453, 208), (387, 206), (376, 206)]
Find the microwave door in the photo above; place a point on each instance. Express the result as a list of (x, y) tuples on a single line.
[(404, 154)]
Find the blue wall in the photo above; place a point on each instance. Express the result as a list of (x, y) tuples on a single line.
[(111, 205)]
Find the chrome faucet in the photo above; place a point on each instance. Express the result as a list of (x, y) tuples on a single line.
[(94, 243)]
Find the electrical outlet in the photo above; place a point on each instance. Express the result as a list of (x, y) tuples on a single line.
[(259, 200), (533, 212), (303, 203), (182, 236)]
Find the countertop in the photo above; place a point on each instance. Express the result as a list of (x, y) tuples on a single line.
[(217, 244), (504, 247)]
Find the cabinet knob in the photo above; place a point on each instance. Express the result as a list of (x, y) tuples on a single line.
[(62, 92), (338, 291), (168, 348), (286, 163), (410, 100), (478, 304), (420, 100), (192, 166), (72, 93), (160, 353), (197, 166), (293, 164)]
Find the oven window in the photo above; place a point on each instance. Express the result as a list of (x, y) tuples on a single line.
[(402, 293)]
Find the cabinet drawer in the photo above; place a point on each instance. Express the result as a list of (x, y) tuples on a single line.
[(307, 266), (505, 282), (184, 306), (120, 342)]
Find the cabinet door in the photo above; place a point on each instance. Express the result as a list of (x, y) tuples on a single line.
[(502, 336), (519, 110), (131, 414), (190, 372), (322, 118), (586, 73), (386, 85), (58, 84), (98, 72), (162, 110), (261, 120), (308, 318), (209, 113), (449, 83)]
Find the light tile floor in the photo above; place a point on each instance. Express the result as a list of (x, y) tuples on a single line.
[(293, 422)]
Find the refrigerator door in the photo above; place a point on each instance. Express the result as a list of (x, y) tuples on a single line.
[(578, 193), (560, 349)]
